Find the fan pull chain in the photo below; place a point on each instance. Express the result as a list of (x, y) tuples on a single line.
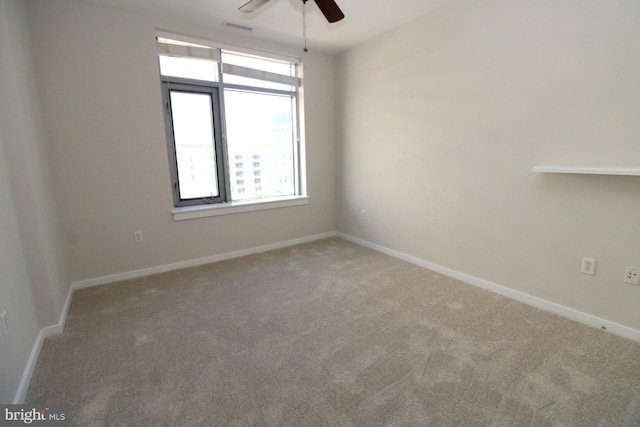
[(304, 24)]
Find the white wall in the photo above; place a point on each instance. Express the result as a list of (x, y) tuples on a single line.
[(15, 294), (33, 284), (78, 178), (441, 121), (99, 84)]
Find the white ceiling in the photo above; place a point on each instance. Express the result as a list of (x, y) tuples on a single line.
[(281, 20)]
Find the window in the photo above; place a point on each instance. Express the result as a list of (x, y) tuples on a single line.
[(194, 132), (222, 107)]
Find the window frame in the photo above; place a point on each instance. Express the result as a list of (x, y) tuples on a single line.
[(224, 204), (296, 167), (176, 84)]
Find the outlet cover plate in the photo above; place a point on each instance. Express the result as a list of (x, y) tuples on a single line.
[(588, 266), (632, 276)]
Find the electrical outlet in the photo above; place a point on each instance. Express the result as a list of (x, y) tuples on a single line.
[(588, 266), (137, 237), (632, 276), (364, 215), (5, 323)]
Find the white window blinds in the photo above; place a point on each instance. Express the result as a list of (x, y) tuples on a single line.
[(186, 49), (177, 48), (252, 73)]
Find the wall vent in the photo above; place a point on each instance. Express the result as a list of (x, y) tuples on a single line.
[(236, 26)]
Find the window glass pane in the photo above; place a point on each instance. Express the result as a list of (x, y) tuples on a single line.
[(194, 143), (189, 68), (260, 131)]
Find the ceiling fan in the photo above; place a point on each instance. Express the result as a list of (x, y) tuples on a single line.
[(329, 8)]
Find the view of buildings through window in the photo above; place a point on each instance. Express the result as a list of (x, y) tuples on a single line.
[(260, 145), (260, 149)]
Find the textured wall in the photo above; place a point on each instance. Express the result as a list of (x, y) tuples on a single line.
[(99, 84), (28, 291), (441, 121)]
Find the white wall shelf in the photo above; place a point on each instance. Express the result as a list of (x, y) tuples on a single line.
[(589, 169)]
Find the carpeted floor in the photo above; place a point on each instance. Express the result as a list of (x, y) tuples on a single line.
[(328, 333)]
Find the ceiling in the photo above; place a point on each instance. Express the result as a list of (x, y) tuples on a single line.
[(281, 20)]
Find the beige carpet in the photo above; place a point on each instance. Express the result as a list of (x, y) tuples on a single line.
[(328, 333)]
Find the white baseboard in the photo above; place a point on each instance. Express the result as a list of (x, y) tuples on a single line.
[(195, 262), (46, 332), (531, 300), (21, 393), (65, 312)]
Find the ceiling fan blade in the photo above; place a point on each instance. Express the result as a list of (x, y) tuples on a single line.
[(252, 5), (330, 10)]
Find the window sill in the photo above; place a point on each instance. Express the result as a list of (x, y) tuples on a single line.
[(202, 211)]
